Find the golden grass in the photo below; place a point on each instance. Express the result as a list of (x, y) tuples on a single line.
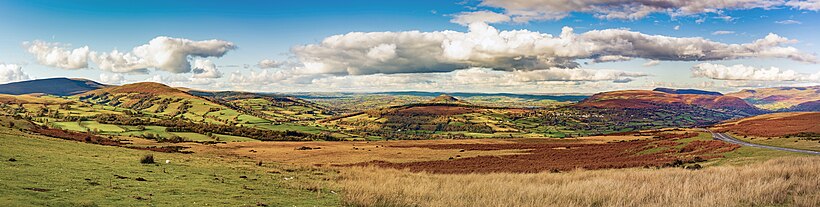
[(793, 181), (331, 153)]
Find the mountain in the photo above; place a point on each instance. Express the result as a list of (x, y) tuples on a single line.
[(644, 99), (687, 91), (51, 86), (779, 98), (774, 125)]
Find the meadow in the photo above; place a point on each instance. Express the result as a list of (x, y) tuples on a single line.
[(42, 171), (792, 181)]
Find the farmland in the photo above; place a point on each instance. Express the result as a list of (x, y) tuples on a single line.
[(275, 149)]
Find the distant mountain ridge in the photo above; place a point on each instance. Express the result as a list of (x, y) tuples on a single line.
[(782, 98), (687, 91), (51, 86), (645, 99)]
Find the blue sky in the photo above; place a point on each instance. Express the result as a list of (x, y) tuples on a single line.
[(268, 30)]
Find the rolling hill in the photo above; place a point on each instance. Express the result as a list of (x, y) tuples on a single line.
[(780, 98), (51, 86), (270, 106), (161, 100), (773, 125), (644, 99)]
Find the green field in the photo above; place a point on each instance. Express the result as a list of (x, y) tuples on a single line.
[(52, 172)]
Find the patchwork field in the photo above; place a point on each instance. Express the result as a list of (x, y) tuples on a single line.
[(72, 173)]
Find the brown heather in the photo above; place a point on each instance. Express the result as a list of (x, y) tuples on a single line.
[(778, 182)]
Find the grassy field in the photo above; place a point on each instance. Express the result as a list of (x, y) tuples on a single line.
[(52, 172), (791, 142), (779, 182)]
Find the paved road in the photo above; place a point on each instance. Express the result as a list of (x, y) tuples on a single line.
[(730, 139)]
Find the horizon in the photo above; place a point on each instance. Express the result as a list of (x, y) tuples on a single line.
[(481, 46), (400, 91)]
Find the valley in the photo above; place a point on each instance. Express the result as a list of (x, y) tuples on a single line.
[(327, 142)]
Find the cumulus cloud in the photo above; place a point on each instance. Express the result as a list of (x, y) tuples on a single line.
[(56, 55), (204, 68), (741, 72), (611, 58), (359, 53), (161, 53), (266, 63), (466, 18), (112, 78), (813, 5), (12, 73), (529, 10)]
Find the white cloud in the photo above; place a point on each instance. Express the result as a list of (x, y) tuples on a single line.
[(205, 69), (676, 27), (467, 79), (813, 5), (56, 55), (467, 18), (266, 63), (722, 32), (12, 73), (382, 52), (112, 78), (161, 53), (611, 58), (651, 63), (741, 72), (789, 21), (529, 10), (359, 53)]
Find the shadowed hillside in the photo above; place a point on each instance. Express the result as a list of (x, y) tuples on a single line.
[(643, 99), (51, 86), (780, 98)]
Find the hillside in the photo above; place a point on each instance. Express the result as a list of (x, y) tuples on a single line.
[(779, 98), (774, 125), (270, 106), (151, 88), (161, 100), (643, 99), (51, 86)]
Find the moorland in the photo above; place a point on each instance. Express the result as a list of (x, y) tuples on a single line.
[(90, 144)]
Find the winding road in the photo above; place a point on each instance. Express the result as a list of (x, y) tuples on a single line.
[(730, 139)]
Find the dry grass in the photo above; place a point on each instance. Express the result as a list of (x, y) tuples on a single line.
[(783, 181), (336, 153)]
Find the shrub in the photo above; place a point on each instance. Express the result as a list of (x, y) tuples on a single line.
[(147, 159)]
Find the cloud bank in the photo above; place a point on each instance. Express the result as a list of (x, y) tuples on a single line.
[(161, 53), (534, 10), (741, 72), (359, 53)]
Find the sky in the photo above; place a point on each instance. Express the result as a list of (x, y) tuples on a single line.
[(516, 46)]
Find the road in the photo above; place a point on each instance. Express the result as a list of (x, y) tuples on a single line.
[(730, 139)]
